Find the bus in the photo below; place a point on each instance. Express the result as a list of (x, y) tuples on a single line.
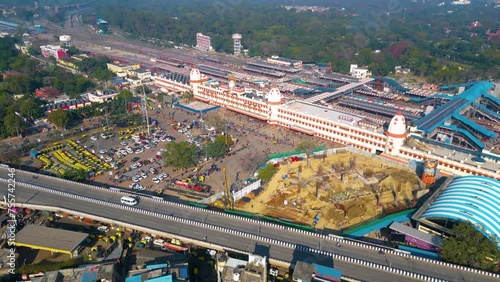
[(175, 248)]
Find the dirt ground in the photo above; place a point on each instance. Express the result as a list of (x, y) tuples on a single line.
[(342, 190)]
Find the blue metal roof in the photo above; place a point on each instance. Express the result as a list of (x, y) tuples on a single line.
[(325, 272), (437, 117), (8, 24), (475, 199), (481, 129)]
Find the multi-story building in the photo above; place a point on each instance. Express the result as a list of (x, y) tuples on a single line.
[(118, 67), (359, 72), (237, 44), (338, 126), (101, 96), (141, 74), (172, 82), (203, 42), (53, 51)]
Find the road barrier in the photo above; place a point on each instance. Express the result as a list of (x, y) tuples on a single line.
[(343, 240)]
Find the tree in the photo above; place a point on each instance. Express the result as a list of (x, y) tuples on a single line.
[(188, 95), (224, 139), (75, 174), (215, 149), (125, 95), (307, 146), (469, 247), (30, 108), (180, 154), (266, 173), (13, 124), (59, 117)]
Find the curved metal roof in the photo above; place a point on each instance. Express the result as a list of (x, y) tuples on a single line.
[(475, 199)]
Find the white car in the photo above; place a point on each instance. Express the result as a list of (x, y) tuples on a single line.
[(156, 180), (109, 159), (147, 147), (139, 151), (139, 187), (93, 138), (133, 166), (164, 175), (103, 228), (143, 175), (132, 185), (123, 143), (153, 170), (151, 160), (135, 179), (159, 242), (102, 152)]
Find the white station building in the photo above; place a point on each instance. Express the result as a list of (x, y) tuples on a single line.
[(349, 128)]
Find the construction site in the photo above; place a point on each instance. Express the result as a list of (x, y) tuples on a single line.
[(335, 191)]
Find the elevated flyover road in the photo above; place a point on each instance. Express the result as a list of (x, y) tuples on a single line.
[(300, 245)]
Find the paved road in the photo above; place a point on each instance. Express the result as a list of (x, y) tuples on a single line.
[(27, 195)]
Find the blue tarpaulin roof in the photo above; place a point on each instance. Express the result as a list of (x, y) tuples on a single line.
[(327, 273)]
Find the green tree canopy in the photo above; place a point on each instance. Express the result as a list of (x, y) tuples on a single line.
[(224, 139), (307, 146), (266, 173), (59, 117), (75, 174), (125, 95), (215, 149), (469, 247), (30, 108), (180, 154), (13, 124)]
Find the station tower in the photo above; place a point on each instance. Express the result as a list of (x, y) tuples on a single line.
[(274, 101), (396, 134), (195, 79)]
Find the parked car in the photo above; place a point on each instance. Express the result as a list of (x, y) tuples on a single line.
[(103, 228)]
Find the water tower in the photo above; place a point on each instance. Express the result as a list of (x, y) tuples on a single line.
[(65, 40), (237, 44)]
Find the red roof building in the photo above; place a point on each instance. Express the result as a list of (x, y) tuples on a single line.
[(10, 73), (47, 93)]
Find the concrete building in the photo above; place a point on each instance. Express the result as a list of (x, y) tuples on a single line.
[(141, 74), (231, 269), (53, 51), (339, 126), (172, 82), (118, 67), (97, 272), (101, 96), (203, 42), (359, 72), (237, 44), (284, 61)]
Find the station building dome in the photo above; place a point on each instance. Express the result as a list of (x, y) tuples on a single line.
[(274, 96), (397, 127), (195, 75)]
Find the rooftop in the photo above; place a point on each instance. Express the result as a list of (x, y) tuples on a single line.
[(42, 237), (322, 112)]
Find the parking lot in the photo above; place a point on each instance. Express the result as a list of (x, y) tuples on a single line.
[(138, 165)]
